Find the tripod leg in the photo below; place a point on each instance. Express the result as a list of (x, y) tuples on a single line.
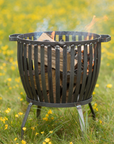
[(93, 113), (25, 118), (81, 118), (38, 111)]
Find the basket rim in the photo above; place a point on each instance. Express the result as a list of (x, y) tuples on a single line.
[(68, 43)]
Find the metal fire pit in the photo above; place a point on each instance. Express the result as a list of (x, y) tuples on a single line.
[(81, 84)]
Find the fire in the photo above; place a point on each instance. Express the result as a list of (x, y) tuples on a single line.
[(89, 26), (53, 35)]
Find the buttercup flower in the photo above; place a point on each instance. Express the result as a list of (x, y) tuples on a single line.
[(109, 85), (47, 140), (15, 139), (42, 132), (50, 112), (97, 85), (36, 134), (50, 131), (23, 142), (24, 128), (6, 126), (20, 113), (16, 115)]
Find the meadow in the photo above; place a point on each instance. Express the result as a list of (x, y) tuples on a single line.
[(57, 125)]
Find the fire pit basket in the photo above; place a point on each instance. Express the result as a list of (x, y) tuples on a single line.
[(48, 71)]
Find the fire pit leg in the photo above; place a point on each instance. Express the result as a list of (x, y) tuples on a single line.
[(38, 111), (25, 118), (81, 118), (93, 113)]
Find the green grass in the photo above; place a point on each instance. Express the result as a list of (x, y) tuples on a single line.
[(28, 16)]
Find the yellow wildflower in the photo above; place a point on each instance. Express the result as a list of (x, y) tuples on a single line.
[(5, 118), (96, 109), (20, 113), (1, 67), (109, 85), (50, 112), (16, 115), (23, 142), (47, 140), (4, 47), (11, 59), (45, 118), (97, 85), (42, 132), (10, 88), (21, 99), (36, 134), (47, 115), (1, 2), (107, 64), (50, 131), (8, 110), (21, 93), (17, 80), (9, 79), (100, 121), (1, 74), (0, 98), (44, 143), (24, 128), (71, 143), (95, 104), (4, 64), (33, 128), (6, 126), (52, 118), (15, 139), (17, 85), (12, 67), (93, 93)]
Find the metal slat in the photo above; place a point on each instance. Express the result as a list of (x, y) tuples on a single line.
[(64, 74), (94, 70), (90, 71), (30, 71), (20, 66), (73, 38), (98, 64), (71, 74), (57, 74), (50, 74), (60, 37), (80, 37), (26, 71), (84, 73), (67, 39), (37, 72), (76, 94), (43, 74)]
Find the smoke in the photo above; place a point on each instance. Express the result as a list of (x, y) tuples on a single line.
[(43, 26)]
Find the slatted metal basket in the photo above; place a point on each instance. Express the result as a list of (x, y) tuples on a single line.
[(62, 85)]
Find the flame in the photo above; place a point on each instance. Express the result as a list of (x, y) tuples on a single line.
[(53, 35), (89, 26)]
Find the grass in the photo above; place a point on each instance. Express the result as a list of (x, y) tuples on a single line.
[(62, 125)]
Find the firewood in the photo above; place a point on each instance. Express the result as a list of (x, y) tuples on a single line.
[(44, 36)]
